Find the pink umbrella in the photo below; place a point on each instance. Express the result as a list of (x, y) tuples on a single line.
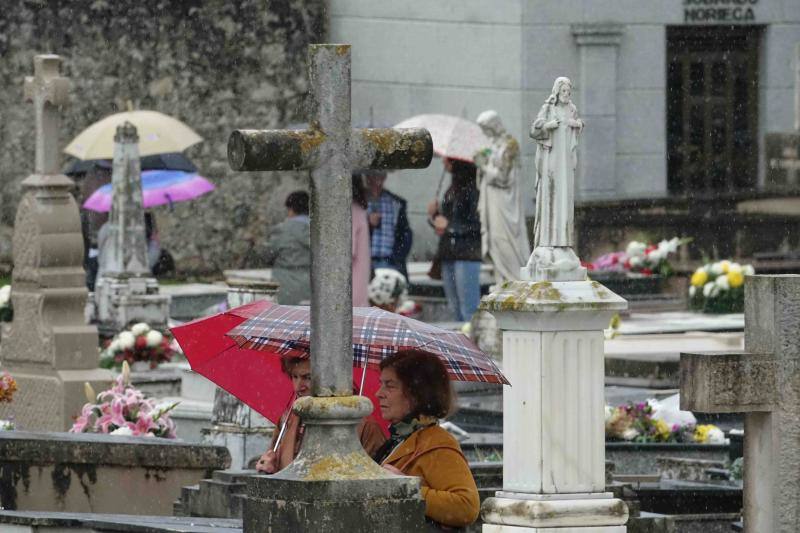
[(453, 137), (159, 187)]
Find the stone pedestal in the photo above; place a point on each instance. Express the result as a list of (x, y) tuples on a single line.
[(235, 425), (333, 485), (125, 291), (125, 300), (553, 414), (245, 433)]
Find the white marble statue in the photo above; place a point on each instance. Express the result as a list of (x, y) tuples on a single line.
[(556, 131), (504, 238)]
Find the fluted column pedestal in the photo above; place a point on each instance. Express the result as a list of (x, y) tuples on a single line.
[(553, 414)]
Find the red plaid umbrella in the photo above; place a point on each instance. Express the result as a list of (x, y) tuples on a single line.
[(253, 376), (286, 330)]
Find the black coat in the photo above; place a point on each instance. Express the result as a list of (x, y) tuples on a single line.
[(462, 238)]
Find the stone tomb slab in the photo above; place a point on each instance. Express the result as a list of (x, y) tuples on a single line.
[(90, 472), (32, 521)]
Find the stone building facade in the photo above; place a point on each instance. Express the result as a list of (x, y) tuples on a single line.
[(678, 96), (216, 65)]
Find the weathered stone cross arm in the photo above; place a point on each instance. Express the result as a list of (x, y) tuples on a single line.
[(48, 91), (383, 148), (737, 382)]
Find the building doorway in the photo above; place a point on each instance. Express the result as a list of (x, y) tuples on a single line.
[(712, 109)]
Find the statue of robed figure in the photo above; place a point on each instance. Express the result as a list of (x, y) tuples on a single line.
[(556, 131)]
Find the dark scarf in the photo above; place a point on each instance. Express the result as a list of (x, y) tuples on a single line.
[(399, 432)]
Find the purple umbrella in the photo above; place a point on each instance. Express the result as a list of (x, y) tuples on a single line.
[(159, 187)]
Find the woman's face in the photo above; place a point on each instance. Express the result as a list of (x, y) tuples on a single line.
[(395, 405), (300, 374), (564, 93)]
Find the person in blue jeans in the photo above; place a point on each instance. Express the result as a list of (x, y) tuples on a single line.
[(457, 223)]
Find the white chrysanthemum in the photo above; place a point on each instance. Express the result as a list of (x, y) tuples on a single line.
[(692, 291), (140, 328), (636, 261), (716, 436), (635, 248), (717, 268), (748, 270), (709, 288), (5, 294), (630, 434), (736, 268), (154, 338), (609, 412), (124, 431), (723, 283), (655, 256), (126, 340)]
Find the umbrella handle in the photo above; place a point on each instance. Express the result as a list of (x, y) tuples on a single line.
[(280, 435), (363, 377)]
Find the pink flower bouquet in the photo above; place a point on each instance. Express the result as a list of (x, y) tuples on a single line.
[(123, 410)]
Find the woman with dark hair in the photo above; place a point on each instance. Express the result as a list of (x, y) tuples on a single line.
[(458, 225), (415, 392), (288, 434)]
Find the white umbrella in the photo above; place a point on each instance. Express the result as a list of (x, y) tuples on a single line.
[(158, 134), (453, 137)]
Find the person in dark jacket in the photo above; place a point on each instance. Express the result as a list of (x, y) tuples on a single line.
[(458, 225), (390, 234)]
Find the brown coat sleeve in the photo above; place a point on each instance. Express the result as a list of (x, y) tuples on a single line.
[(371, 435), (448, 488)]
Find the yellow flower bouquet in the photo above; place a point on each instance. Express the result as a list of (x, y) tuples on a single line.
[(719, 287)]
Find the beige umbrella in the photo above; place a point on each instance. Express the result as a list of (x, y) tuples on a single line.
[(158, 134)]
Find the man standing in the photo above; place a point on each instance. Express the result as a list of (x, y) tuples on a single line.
[(390, 234), (289, 252), (503, 233)]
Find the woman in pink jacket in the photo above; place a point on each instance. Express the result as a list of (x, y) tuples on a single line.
[(361, 249)]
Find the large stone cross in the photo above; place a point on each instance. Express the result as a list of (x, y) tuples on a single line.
[(332, 485), (330, 149), (49, 92), (763, 383)]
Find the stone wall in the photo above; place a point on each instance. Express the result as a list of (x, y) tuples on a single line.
[(217, 65)]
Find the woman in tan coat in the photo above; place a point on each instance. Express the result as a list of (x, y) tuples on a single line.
[(415, 392), (277, 458)]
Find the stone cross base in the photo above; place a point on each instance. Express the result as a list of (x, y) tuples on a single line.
[(388, 505), (63, 389), (554, 412), (122, 301), (333, 485)]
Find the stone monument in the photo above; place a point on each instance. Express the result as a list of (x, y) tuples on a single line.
[(763, 383), (333, 485), (48, 347), (126, 291), (504, 236), (552, 325)]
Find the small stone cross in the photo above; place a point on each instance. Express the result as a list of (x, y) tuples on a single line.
[(331, 150), (48, 91), (763, 383)]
